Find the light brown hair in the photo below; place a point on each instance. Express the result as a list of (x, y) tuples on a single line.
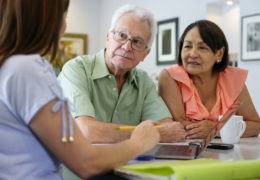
[(30, 26)]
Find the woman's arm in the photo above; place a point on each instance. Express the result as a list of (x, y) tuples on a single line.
[(94, 130), (170, 93), (249, 114), (80, 156)]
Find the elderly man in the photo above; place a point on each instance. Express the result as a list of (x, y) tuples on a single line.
[(106, 88)]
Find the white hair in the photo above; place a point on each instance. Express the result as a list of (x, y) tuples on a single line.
[(140, 13)]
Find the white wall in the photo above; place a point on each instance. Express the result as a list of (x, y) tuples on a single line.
[(249, 7), (83, 17), (227, 17), (230, 25), (214, 12)]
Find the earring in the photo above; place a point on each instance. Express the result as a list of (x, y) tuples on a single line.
[(218, 61)]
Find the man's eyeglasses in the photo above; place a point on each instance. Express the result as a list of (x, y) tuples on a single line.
[(137, 44)]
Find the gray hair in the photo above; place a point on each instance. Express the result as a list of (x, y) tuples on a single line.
[(140, 13)]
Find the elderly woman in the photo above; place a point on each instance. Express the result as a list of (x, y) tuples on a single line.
[(202, 86)]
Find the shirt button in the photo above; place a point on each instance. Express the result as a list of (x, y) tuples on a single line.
[(110, 77), (114, 89), (43, 72)]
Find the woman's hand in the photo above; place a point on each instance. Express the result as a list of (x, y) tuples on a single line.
[(199, 129), (145, 136)]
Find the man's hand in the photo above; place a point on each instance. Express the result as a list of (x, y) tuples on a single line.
[(172, 132), (199, 129)]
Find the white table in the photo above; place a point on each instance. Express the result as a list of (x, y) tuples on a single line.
[(246, 148)]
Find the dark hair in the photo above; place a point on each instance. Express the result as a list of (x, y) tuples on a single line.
[(213, 36), (30, 26)]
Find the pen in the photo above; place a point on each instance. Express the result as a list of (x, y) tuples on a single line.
[(130, 127), (144, 158)]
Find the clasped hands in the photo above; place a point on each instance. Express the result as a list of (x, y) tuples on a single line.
[(199, 129)]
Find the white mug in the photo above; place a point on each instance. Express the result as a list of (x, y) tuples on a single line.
[(233, 129)]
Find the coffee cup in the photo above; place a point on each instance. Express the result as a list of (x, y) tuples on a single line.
[(233, 129)]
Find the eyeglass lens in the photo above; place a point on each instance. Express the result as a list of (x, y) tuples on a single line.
[(137, 43)]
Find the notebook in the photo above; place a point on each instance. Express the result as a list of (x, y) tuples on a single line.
[(192, 149), (192, 169)]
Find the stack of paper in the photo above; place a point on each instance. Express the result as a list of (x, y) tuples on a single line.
[(194, 170)]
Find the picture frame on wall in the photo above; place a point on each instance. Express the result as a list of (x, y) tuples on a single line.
[(250, 37), (71, 45), (167, 38)]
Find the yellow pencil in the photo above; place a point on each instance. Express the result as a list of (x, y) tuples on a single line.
[(130, 127)]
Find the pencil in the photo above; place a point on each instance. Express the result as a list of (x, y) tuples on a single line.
[(130, 127)]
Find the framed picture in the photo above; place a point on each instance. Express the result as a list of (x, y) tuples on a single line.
[(166, 47), (250, 38), (70, 46)]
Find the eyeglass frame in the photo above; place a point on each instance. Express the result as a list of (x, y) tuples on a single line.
[(126, 40)]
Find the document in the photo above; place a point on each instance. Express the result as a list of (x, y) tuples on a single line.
[(192, 170)]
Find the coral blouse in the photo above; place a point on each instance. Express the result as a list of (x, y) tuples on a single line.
[(231, 81)]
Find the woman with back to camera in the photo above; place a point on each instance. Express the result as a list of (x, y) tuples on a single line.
[(36, 131), (202, 86)]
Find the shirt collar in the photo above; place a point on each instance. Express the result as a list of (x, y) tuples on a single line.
[(100, 69), (132, 77)]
